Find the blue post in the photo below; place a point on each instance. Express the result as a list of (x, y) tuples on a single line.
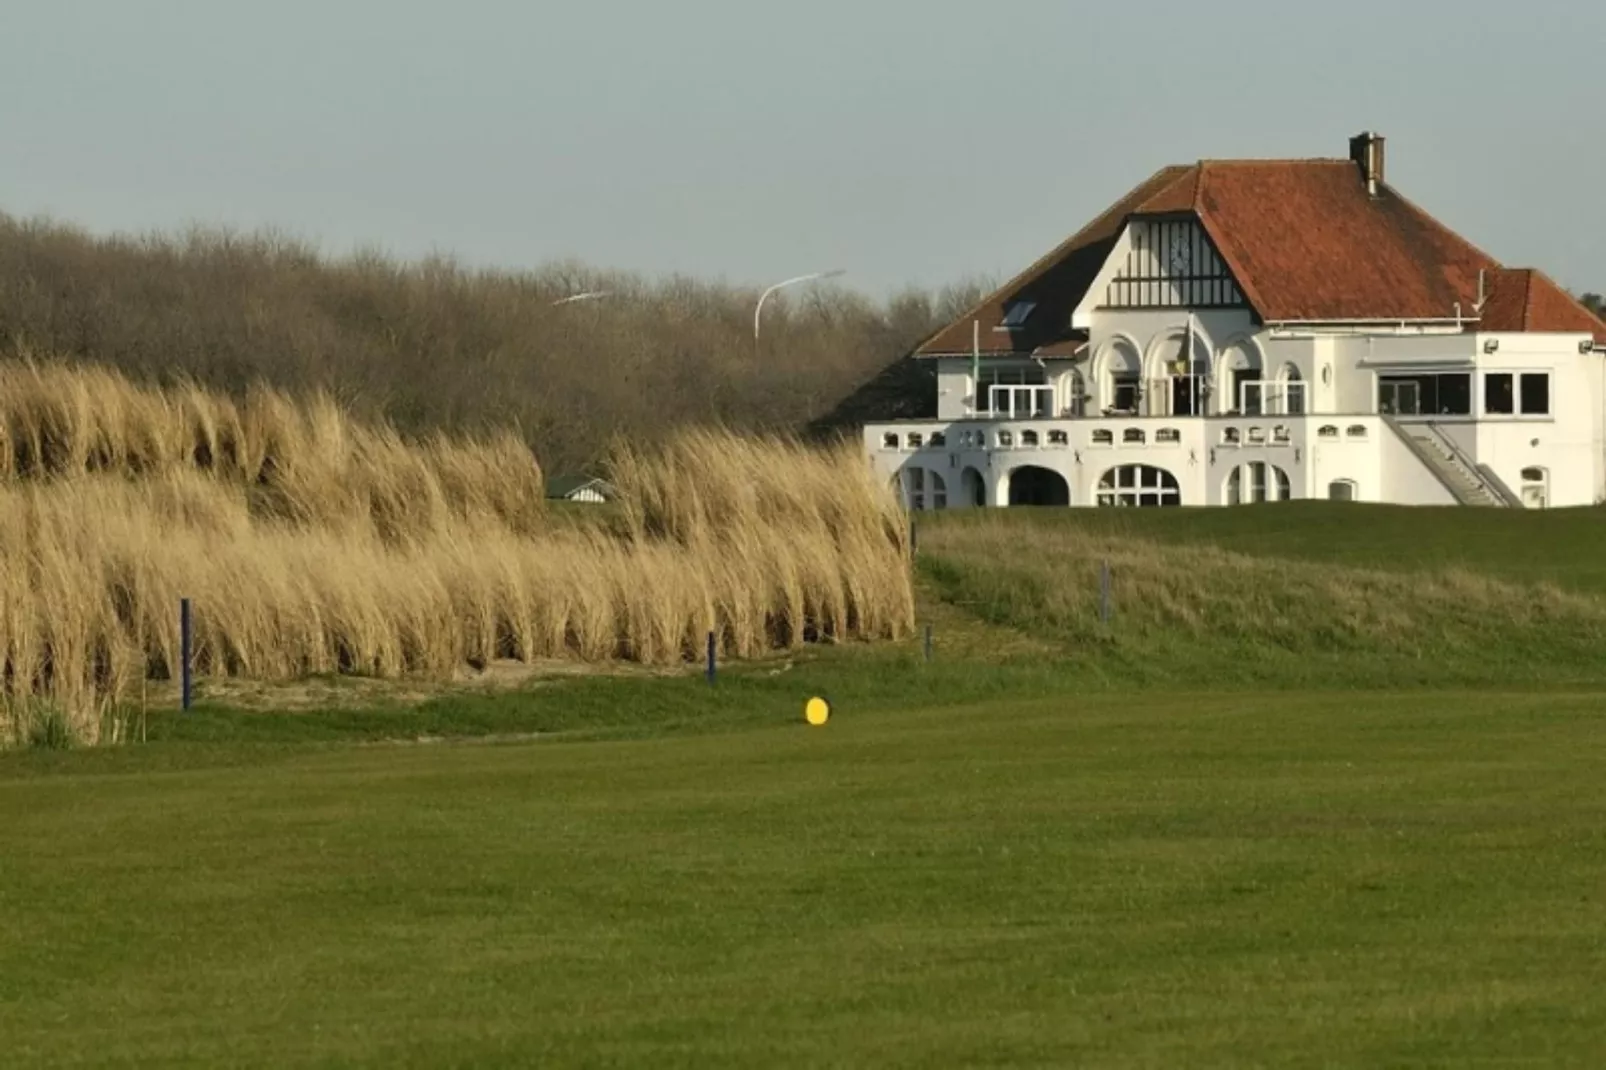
[(186, 635), (710, 657)]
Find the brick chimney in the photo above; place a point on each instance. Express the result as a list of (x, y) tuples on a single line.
[(1367, 152)]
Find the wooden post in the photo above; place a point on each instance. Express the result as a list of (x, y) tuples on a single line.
[(186, 637), (711, 665)]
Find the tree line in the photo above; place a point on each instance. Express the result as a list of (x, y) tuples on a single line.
[(434, 344)]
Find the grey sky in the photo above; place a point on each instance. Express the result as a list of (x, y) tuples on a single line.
[(748, 140)]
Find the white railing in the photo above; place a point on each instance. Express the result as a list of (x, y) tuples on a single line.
[(1016, 402), (1272, 397)]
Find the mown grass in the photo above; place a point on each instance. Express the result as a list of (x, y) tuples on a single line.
[(1108, 880), (1281, 811)]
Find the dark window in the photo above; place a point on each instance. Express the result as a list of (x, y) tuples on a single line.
[(1497, 394), (1018, 312), (1426, 395), (1536, 395), (1126, 393)]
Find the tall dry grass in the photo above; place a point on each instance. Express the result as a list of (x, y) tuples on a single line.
[(310, 543)]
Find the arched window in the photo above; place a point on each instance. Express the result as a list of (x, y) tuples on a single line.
[(1139, 485), (939, 439), (1169, 436), (1257, 436), (1328, 431), (916, 440), (1257, 481), (1292, 387), (1281, 435), (1058, 438), (1076, 393), (1357, 430), (974, 488), (924, 489), (1006, 439), (1341, 490), (1231, 436), (1103, 437), (1132, 436), (1028, 438), (889, 441)]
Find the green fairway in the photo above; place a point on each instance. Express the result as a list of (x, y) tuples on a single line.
[(1118, 880)]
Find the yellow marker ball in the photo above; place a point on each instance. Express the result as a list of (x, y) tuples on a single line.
[(817, 710)]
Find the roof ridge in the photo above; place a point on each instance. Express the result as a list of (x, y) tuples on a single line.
[(1288, 161)]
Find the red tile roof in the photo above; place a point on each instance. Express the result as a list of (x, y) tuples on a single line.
[(1056, 282), (1305, 242), (1528, 300)]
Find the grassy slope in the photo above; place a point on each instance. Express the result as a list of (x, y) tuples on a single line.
[(1051, 846), (1562, 546), (1114, 880)]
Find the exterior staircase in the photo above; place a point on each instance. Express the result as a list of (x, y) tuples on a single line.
[(1469, 482)]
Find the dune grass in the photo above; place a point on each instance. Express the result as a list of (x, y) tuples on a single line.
[(310, 543)]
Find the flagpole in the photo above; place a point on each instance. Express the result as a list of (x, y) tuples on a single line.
[(975, 366)]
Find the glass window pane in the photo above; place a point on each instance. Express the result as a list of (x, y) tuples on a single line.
[(1455, 395), (1536, 395), (1498, 398)]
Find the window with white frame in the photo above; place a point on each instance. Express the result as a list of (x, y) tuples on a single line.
[(1256, 482), (924, 489), (1425, 394), (1271, 397), (1341, 490), (1014, 392), (1139, 485), (1516, 393)]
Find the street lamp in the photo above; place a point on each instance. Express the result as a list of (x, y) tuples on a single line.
[(765, 296)]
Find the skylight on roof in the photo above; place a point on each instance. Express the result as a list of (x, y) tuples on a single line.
[(1015, 313)]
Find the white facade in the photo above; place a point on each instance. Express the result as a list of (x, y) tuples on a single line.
[(1408, 413)]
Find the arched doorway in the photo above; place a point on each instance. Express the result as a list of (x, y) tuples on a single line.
[(1031, 485), (1291, 385), (1139, 485), (1179, 374), (1238, 370), (972, 489), (1119, 377)]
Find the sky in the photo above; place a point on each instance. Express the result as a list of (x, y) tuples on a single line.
[(908, 143)]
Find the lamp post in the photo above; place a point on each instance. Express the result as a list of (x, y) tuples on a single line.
[(589, 295), (765, 296)]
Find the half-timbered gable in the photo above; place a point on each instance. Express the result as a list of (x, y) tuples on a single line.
[(1169, 262)]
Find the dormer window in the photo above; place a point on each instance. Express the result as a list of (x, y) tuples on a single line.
[(1016, 313)]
